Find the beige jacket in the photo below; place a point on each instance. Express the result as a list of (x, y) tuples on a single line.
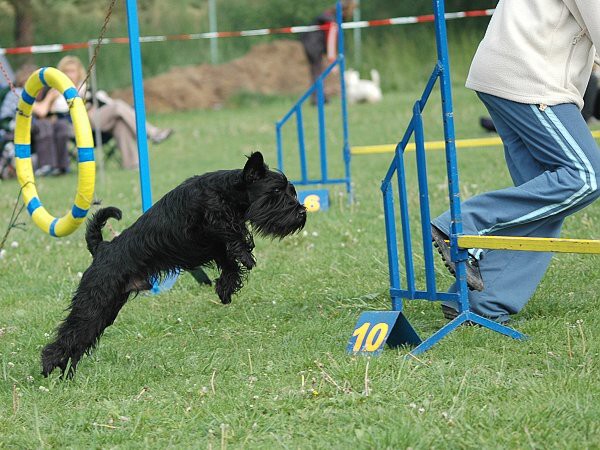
[(538, 51)]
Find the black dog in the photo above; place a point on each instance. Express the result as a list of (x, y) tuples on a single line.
[(202, 221)]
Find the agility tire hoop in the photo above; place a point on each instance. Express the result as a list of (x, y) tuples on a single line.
[(54, 78)]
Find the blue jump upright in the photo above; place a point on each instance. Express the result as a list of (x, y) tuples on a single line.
[(140, 122), (441, 73), (296, 111)]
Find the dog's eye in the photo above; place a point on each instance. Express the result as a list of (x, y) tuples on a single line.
[(277, 190)]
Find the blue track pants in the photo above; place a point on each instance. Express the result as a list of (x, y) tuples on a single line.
[(554, 163)]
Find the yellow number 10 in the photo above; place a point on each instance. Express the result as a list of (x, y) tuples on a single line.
[(373, 339)]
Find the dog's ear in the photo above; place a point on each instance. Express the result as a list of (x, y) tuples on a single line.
[(255, 168)]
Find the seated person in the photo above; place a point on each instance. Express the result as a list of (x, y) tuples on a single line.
[(49, 137), (113, 116)]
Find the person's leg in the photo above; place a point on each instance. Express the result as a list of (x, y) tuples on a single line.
[(127, 144), (314, 48), (560, 144), (555, 163), (118, 110), (42, 143), (109, 119), (522, 168), (104, 118), (63, 131)]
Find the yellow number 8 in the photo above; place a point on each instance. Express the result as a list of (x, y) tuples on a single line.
[(51, 77)]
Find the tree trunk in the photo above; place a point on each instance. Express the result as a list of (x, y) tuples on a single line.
[(23, 25)]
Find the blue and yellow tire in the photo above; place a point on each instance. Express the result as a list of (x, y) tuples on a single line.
[(58, 227)]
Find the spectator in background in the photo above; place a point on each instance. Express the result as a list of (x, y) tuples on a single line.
[(49, 136), (112, 116), (323, 43)]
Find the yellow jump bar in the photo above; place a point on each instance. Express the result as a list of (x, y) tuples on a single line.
[(435, 145), (531, 244)]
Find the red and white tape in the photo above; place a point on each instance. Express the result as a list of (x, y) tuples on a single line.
[(57, 48)]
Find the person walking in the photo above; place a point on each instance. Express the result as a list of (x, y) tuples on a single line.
[(530, 70)]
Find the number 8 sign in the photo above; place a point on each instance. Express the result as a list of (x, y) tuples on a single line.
[(372, 331)]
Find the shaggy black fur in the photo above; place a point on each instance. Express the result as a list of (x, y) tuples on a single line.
[(201, 221)]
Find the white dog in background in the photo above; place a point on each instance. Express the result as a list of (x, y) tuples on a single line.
[(358, 90)]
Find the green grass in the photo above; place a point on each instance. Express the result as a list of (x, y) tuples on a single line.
[(180, 370)]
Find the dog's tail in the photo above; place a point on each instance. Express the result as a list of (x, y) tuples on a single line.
[(375, 77), (93, 234)]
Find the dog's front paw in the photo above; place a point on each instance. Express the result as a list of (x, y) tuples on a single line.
[(224, 288), (223, 294), (247, 260)]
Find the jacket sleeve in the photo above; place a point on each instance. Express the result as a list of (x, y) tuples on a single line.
[(590, 12)]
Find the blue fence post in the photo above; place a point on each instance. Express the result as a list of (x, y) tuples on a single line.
[(301, 147), (137, 79), (322, 136), (424, 201), (138, 100), (458, 255), (405, 220), (279, 145), (342, 69), (392, 249)]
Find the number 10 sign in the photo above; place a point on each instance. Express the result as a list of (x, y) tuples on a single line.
[(374, 328)]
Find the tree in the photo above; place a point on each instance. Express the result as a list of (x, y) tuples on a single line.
[(23, 22)]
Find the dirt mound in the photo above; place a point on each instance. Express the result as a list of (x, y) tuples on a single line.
[(279, 67)]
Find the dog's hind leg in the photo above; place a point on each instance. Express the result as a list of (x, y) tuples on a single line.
[(91, 312)]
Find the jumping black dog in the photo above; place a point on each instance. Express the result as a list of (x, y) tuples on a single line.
[(202, 221)]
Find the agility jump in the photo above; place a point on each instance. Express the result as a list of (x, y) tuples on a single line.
[(57, 227), (296, 111), (403, 332)]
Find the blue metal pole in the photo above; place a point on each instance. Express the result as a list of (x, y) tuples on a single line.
[(458, 255), (279, 146), (138, 100), (424, 202), (301, 147), (322, 140), (405, 219), (392, 249), (342, 68)]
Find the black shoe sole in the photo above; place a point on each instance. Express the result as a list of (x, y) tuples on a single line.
[(474, 280)]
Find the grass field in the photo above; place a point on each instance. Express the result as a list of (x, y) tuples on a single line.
[(180, 370)]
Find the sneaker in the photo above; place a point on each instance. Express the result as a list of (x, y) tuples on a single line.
[(162, 135), (43, 171), (56, 172), (440, 241)]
